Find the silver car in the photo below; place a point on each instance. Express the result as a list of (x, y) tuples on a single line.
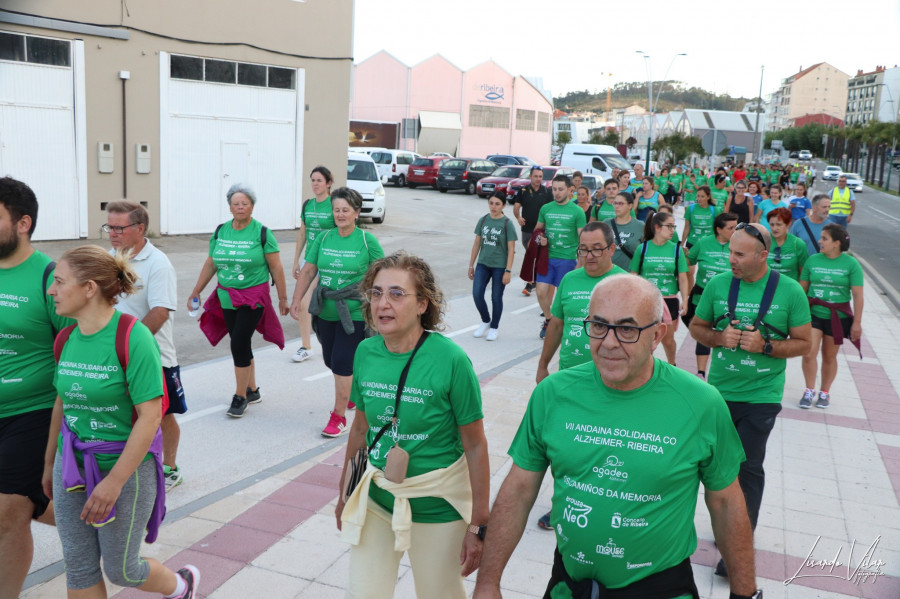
[(831, 173), (854, 181)]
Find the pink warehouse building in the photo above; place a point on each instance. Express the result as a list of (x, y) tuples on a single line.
[(440, 108)]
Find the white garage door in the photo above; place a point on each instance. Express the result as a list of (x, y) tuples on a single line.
[(41, 125), (222, 123)]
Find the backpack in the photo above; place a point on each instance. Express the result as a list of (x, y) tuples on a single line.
[(263, 236), (768, 295), (123, 336), (48, 270), (644, 253)]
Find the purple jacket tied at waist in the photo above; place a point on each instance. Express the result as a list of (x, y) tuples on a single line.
[(212, 321), (72, 478), (837, 329)]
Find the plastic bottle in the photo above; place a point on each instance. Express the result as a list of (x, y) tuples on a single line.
[(195, 308)]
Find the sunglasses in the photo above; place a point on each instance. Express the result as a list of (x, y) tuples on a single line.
[(753, 231)]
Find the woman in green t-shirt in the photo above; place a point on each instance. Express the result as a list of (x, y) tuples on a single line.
[(339, 257), (662, 262), (315, 218), (788, 253), (494, 247), (831, 279), (440, 499), (104, 502)]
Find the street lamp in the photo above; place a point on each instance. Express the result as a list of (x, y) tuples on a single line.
[(650, 104)]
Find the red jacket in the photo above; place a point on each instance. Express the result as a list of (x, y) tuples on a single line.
[(212, 321), (537, 258)]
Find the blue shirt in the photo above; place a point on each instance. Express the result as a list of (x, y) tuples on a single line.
[(799, 206), (798, 230)]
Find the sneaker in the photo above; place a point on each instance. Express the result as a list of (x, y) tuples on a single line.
[(824, 400), (253, 396), (544, 522), (721, 570), (191, 576), (808, 396), (351, 405), (492, 334), (527, 290), (701, 376), (481, 330), (173, 477), (238, 406), (304, 353), (337, 426), (544, 328)]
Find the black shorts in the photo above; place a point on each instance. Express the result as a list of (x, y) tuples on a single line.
[(338, 348), (177, 404), (824, 325), (673, 305), (23, 443)]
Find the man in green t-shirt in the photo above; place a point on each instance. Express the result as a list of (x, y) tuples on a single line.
[(627, 231), (748, 362), (628, 440), (28, 325), (559, 224)]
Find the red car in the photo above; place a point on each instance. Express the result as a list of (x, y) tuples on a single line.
[(549, 172), (424, 171), (500, 178)]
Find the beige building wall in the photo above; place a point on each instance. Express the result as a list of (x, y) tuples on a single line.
[(285, 33), (823, 90)]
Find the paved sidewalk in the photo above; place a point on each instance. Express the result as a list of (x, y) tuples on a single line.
[(832, 474)]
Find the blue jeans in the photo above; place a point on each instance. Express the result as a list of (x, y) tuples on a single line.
[(479, 285), (840, 219)]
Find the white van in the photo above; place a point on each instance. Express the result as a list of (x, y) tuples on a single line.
[(393, 165), (593, 159), (362, 175)]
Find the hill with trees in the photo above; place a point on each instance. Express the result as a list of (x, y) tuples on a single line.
[(675, 96)]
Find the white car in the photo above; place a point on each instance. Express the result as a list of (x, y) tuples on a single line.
[(393, 165), (831, 173), (362, 175), (805, 155), (854, 181)]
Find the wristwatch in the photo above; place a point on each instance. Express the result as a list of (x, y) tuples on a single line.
[(767, 348), (757, 595), (478, 531)]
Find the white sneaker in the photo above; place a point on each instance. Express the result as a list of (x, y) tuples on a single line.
[(481, 330), (492, 334), (302, 354)]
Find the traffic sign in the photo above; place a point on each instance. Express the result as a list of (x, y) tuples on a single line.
[(713, 142)]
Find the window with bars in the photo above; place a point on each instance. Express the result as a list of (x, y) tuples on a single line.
[(491, 117), (230, 72), (543, 121), (525, 120)]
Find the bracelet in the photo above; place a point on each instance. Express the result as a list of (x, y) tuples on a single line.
[(507, 270), (282, 299)]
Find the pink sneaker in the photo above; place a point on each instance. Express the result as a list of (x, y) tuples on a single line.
[(337, 426), (351, 405)]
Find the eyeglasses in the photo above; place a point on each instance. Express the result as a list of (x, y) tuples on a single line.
[(669, 226), (596, 252), (625, 333), (117, 230), (753, 231), (394, 295)]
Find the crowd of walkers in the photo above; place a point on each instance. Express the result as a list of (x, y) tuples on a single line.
[(91, 384)]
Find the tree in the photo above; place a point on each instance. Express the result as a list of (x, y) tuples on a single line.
[(610, 138), (562, 138), (677, 146)]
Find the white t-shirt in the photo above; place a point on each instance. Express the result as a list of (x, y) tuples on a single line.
[(156, 290)]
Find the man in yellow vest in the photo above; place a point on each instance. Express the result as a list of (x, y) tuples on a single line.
[(843, 203)]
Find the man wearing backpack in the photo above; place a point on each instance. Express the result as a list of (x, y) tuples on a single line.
[(809, 228), (28, 324), (753, 319), (154, 304)]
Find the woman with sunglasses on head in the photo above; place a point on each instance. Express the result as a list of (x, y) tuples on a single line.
[(426, 487), (788, 253), (832, 279), (340, 258), (662, 262), (494, 248)]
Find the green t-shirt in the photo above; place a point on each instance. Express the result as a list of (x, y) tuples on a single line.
[(659, 265), (627, 237), (97, 399), (677, 181), (794, 176), (831, 279), (711, 257), (701, 180), (495, 233), (736, 373), (562, 223), (570, 304), (318, 217), (690, 191), (27, 322), (441, 394), (701, 221), (240, 258), (604, 211), (789, 258), (626, 467), (662, 184), (774, 176), (719, 196), (343, 261)]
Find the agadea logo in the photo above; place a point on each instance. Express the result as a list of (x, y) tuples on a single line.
[(492, 92)]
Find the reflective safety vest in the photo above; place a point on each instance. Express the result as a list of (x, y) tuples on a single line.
[(840, 202)]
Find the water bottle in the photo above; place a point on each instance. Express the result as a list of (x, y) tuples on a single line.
[(195, 308)]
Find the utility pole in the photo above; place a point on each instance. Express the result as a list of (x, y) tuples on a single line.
[(758, 144)]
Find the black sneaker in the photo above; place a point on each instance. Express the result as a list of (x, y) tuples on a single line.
[(721, 570), (544, 328), (253, 396), (191, 576), (238, 405), (544, 522)]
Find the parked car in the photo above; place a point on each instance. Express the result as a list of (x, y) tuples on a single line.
[(831, 173), (854, 181), (509, 159), (500, 178), (549, 172), (594, 159), (424, 171), (805, 155), (593, 182), (795, 155), (463, 173), (362, 175), (443, 154), (393, 165)]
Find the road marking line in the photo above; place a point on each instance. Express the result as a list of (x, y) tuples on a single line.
[(526, 308), (316, 377), (461, 331), (195, 415), (890, 216)]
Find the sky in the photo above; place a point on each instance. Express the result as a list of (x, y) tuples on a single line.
[(586, 44)]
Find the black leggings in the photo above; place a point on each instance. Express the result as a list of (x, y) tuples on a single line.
[(697, 291), (241, 323)]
